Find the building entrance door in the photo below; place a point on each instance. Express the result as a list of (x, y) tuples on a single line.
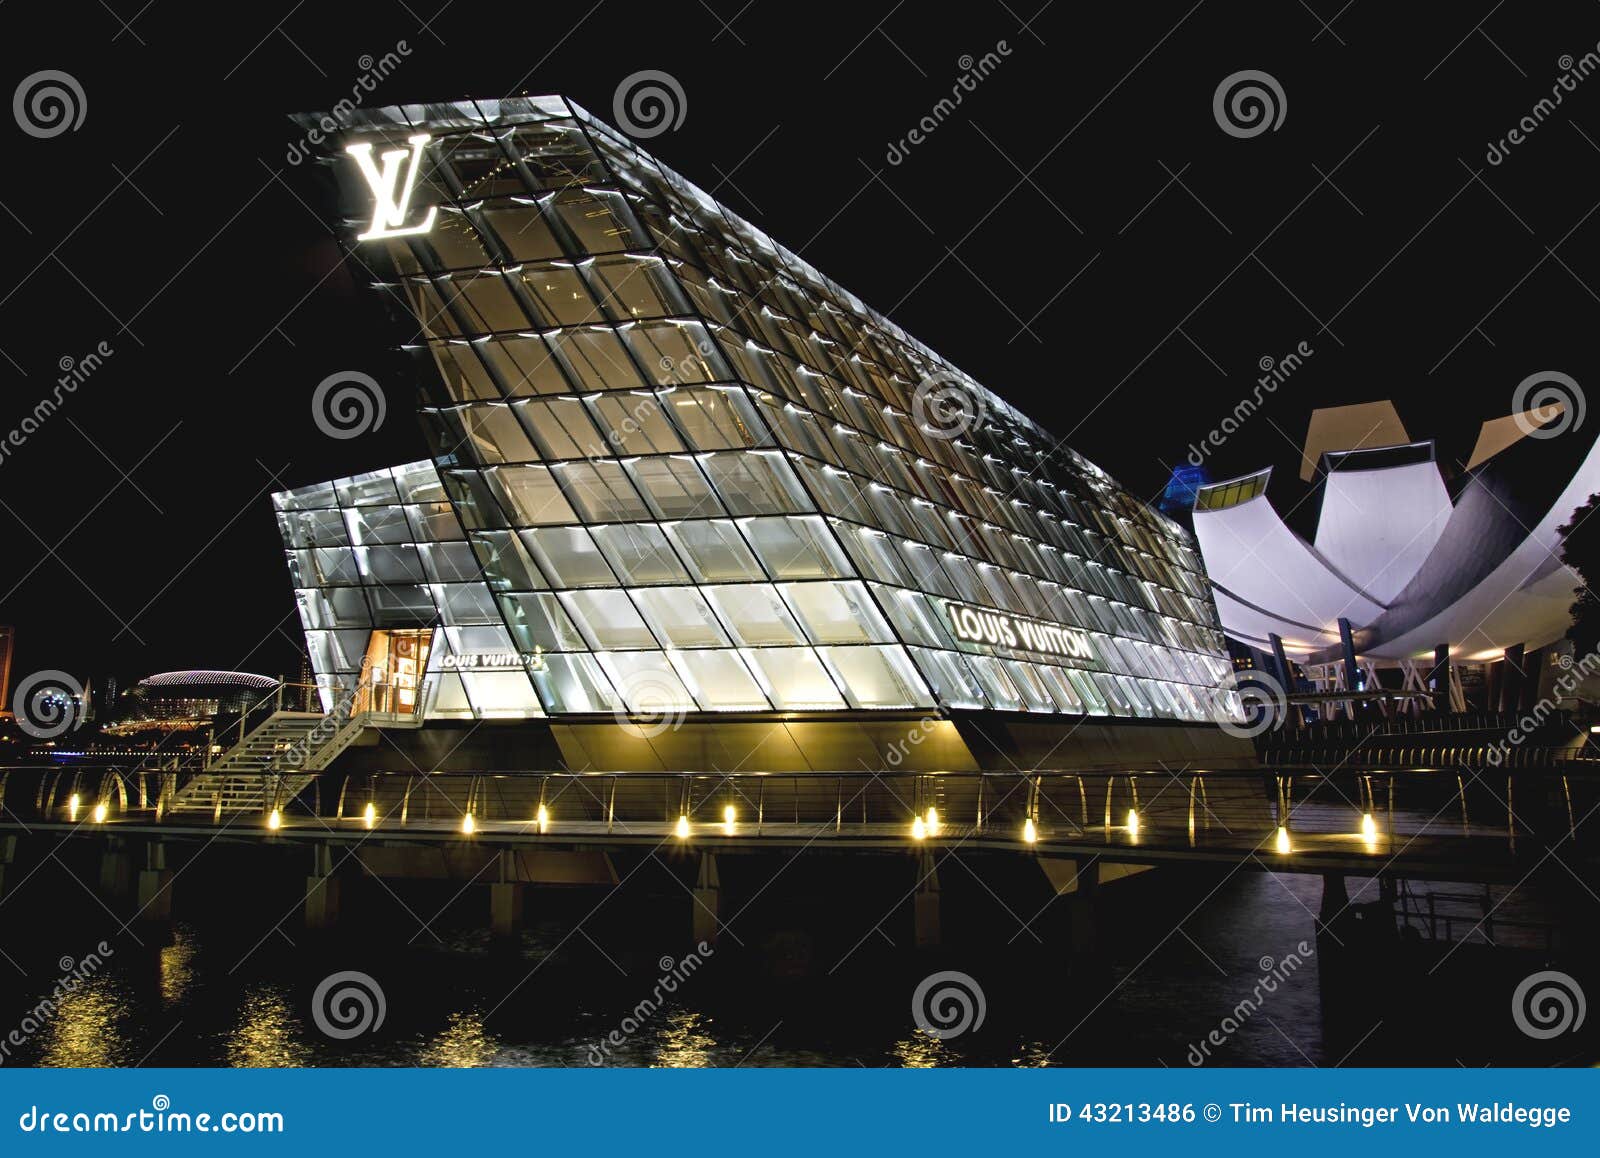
[(392, 673)]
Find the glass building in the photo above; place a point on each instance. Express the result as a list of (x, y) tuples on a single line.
[(678, 471)]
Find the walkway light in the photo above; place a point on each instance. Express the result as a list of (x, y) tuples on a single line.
[(99, 813), (542, 818), (1369, 827), (370, 816), (72, 808), (1282, 841), (1030, 832), (729, 814), (468, 825), (274, 820), (683, 826), (919, 828), (933, 821), (1133, 822)]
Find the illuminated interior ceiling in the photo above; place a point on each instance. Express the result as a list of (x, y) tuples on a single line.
[(680, 470)]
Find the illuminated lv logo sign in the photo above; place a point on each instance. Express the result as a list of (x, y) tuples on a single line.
[(389, 208)]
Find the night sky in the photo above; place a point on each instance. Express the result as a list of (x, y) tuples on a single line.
[(1080, 235)]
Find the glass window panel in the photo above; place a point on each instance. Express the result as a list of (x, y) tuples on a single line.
[(506, 562), (487, 300), (539, 621), (465, 377), (647, 682), (495, 434), (559, 294), (799, 547), (793, 678), (913, 616), (714, 550), (673, 353), (996, 684), (562, 429), (574, 683), (635, 422), (680, 617), (467, 603), (522, 231), (759, 483), (636, 287), (1031, 684), (836, 612), (754, 614), (334, 565), (531, 495), (716, 417), (569, 556), (952, 682), (600, 491), (457, 244), (500, 694), (835, 490), (402, 606), (608, 619), (874, 554), (926, 573), (876, 677), (673, 487), (378, 525), (719, 680), (526, 365), (639, 553), (333, 607), (597, 357), (390, 564), (599, 219)]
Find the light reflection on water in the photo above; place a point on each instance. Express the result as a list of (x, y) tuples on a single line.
[(86, 1028), (197, 1000), (268, 1032)]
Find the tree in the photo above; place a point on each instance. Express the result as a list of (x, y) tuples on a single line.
[(1580, 550)]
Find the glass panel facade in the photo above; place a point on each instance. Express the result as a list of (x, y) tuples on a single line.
[(696, 473)]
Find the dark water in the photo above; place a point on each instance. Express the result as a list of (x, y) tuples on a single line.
[(1177, 952)]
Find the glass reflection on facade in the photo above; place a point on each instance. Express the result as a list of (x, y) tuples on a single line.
[(678, 469)]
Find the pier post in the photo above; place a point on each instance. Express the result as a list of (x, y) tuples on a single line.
[(116, 869), (925, 904), (324, 891), (706, 920), (8, 857), (506, 900), (154, 897)]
